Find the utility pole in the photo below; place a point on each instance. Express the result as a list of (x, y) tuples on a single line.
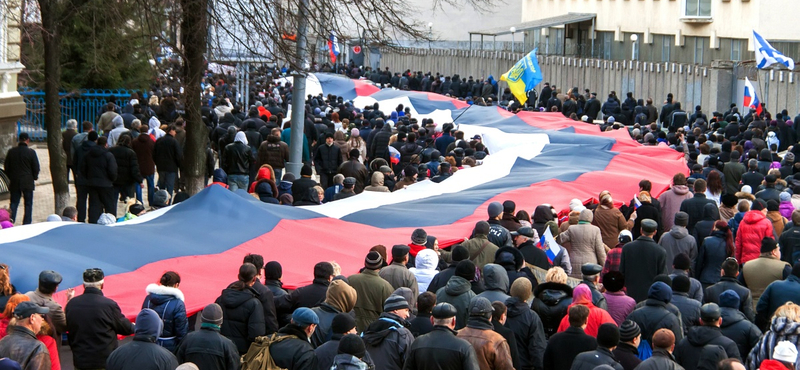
[(299, 94)]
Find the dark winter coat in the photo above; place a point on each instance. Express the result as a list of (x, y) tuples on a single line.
[(93, 323), (327, 159), (689, 352), (293, 353), (168, 304), (355, 169), (309, 296), (591, 360), (641, 260), (457, 292), (388, 342), (421, 324), (379, 148), (242, 317), (440, 350), (690, 309), (99, 168), (328, 351), (167, 154), (551, 303), (236, 159), (508, 334), (694, 207), (746, 306), (267, 300), (562, 348), (712, 253), (209, 350), (740, 330), (274, 152), (627, 355), (647, 210), (655, 315), (22, 167), (127, 166), (661, 360), (143, 353), (529, 333), (777, 294), (144, 146)]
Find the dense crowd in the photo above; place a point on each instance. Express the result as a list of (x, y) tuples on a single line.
[(703, 275)]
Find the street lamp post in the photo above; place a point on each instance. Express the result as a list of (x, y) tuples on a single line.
[(430, 33), (634, 38), (513, 30)]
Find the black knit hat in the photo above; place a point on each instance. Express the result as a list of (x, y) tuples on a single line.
[(466, 269), (768, 245), (608, 335), (273, 270), (682, 262), (460, 253), (342, 323), (352, 344)]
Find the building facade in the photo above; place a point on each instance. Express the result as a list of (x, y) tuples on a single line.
[(683, 31), (12, 106)]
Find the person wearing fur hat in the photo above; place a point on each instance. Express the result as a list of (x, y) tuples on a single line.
[(584, 242), (607, 341), (206, 347), (371, 291), (167, 299), (143, 352)]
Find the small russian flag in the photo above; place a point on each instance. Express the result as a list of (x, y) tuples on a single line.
[(549, 245)]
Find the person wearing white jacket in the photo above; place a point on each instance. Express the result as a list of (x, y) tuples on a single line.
[(425, 268)]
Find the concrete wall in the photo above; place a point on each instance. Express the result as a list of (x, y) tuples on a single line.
[(714, 87)]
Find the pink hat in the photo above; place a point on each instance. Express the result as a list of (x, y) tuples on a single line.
[(354, 132)]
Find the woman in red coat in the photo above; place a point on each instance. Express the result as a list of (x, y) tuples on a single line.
[(754, 227)]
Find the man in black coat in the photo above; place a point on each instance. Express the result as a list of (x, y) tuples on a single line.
[(128, 173), (265, 295), (641, 261), (99, 169), (441, 349), (93, 323), (22, 167), (729, 281), (607, 340), (534, 256), (207, 348), (379, 147), (499, 316), (694, 349), (167, 155), (327, 159), (592, 107), (143, 352), (341, 325), (302, 186), (694, 206), (243, 316), (309, 296), (562, 348), (735, 325), (544, 96), (296, 353), (627, 352)]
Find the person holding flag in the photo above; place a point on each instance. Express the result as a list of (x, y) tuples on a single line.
[(556, 254), (534, 257), (523, 76)]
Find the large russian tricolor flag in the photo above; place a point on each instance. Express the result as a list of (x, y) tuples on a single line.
[(535, 158)]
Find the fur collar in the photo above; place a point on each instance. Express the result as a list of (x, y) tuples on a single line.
[(164, 290)]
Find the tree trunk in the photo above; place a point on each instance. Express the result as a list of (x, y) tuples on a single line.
[(193, 39), (52, 116)]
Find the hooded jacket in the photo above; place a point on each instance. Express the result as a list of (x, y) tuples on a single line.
[(424, 269), (705, 226), (340, 298), (293, 353), (143, 352), (237, 157), (654, 314), (739, 329), (127, 166), (780, 329), (541, 215), (388, 341), (379, 147), (167, 302), (671, 203), (678, 241), (144, 147), (528, 332), (119, 128), (753, 228), (495, 280), (457, 292), (243, 317), (99, 168), (376, 183), (693, 350), (582, 295), (551, 303)]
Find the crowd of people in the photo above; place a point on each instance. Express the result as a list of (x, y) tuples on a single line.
[(705, 274)]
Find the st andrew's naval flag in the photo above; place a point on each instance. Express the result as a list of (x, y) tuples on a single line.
[(523, 76), (205, 238), (766, 55)]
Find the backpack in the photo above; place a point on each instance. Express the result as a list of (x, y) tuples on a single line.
[(258, 356)]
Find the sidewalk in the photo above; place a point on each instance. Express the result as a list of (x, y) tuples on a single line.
[(43, 196)]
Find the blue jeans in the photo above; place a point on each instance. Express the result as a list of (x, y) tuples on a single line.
[(16, 196), (238, 182), (150, 189), (278, 175), (166, 181)]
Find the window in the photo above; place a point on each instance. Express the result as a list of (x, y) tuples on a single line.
[(635, 46), (608, 41), (698, 8), (666, 47), (3, 41), (559, 41), (699, 48), (736, 50)]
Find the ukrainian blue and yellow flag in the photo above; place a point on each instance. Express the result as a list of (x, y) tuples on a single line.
[(523, 76)]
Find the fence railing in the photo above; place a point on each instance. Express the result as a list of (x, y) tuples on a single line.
[(81, 105)]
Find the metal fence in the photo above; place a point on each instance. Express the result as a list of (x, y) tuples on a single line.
[(81, 105)]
